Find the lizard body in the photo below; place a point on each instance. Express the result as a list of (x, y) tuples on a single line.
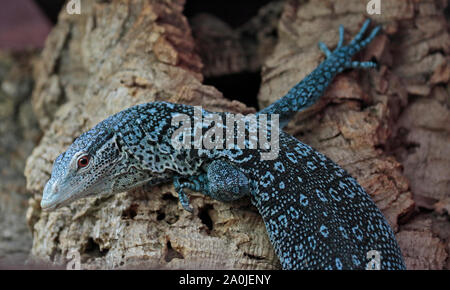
[(316, 215)]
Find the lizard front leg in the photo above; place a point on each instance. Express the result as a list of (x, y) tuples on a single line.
[(222, 181), (226, 182)]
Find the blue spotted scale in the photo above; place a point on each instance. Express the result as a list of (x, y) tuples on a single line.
[(316, 215)]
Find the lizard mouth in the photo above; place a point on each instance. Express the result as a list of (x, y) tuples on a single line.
[(49, 207), (57, 195), (54, 198)]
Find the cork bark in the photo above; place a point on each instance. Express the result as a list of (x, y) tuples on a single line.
[(387, 127), (121, 53), (112, 56)]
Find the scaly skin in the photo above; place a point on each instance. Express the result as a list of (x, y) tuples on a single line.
[(316, 215)]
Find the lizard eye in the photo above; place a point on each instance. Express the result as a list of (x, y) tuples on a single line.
[(83, 161)]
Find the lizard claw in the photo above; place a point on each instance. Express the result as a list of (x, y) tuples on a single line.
[(341, 36), (182, 196), (184, 200), (364, 64), (323, 47), (361, 32)]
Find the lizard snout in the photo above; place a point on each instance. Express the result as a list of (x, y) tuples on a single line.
[(50, 197)]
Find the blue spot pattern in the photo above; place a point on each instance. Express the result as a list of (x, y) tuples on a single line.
[(316, 215)]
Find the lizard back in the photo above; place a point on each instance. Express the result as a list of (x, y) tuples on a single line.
[(317, 215)]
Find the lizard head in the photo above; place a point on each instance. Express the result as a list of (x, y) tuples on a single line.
[(83, 170), (97, 163)]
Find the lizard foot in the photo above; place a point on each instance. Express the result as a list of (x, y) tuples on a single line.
[(182, 196), (342, 54)]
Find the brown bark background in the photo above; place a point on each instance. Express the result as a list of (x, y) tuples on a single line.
[(19, 133), (388, 127)]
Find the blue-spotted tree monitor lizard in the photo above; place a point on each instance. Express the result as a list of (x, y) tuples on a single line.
[(316, 215)]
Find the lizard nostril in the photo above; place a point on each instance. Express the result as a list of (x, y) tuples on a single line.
[(55, 188)]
